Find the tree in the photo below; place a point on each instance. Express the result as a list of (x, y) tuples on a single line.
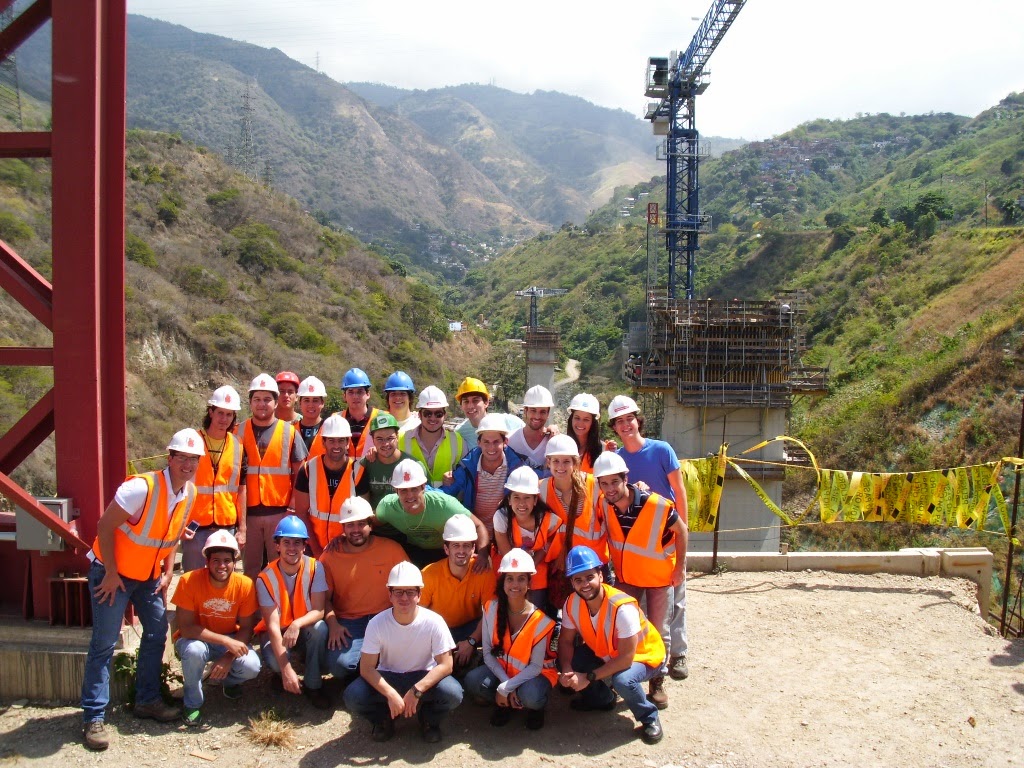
[(926, 226), (834, 219), (933, 202), (880, 217), (505, 370)]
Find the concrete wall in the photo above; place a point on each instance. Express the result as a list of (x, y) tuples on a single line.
[(540, 367), (746, 525)]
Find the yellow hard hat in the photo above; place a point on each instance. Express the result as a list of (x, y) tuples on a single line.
[(471, 386)]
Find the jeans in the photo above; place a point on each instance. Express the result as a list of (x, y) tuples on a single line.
[(678, 644), (106, 630), (192, 549), (629, 684), (313, 641), (658, 610), (482, 684), (194, 656), (343, 663), (361, 698)]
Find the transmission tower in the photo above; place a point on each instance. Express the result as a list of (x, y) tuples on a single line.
[(10, 93), (245, 152)]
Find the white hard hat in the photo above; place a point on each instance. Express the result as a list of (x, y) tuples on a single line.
[(354, 509), (225, 397), (431, 397), (621, 405), (187, 441), (311, 386), (523, 480), (586, 403), (538, 397), (493, 422), (264, 383), (459, 528), (405, 574), (220, 539), (336, 426), (517, 561), (408, 474), (609, 463), (561, 445)]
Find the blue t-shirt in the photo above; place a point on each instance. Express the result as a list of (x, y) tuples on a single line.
[(652, 465)]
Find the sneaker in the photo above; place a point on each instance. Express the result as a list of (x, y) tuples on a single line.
[(656, 692), (383, 730), (651, 733), (193, 718), (500, 716), (157, 710), (431, 734), (317, 697), (95, 736), (580, 704), (677, 668), (232, 691), (535, 719)]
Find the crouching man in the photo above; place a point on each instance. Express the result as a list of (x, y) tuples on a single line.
[(216, 614)]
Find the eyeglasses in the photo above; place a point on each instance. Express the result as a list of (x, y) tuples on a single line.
[(405, 592), (185, 458), (433, 414)]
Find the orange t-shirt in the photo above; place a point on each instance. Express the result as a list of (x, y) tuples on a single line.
[(357, 582), (458, 600), (217, 610)]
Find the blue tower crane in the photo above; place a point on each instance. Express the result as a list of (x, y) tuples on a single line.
[(677, 82)]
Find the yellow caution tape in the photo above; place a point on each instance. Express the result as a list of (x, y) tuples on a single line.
[(704, 480)]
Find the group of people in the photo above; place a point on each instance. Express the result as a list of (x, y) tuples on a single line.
[(412, 561)]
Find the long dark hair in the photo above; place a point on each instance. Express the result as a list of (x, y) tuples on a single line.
[(501, 621), (540, 509), (594, 446), (208, 418)]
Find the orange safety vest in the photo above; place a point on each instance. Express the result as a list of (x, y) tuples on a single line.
[(268, 479), (546, 535), (324, 509), (602, 639), (316, 448), (517, 651), (141, 548), (449, 452), (359, 445), (639, 558), (588, 530), (296, 604), (217, 502)]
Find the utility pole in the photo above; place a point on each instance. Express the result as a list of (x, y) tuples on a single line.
[(245, 154)]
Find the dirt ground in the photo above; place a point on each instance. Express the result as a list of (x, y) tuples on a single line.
[(787, 669)]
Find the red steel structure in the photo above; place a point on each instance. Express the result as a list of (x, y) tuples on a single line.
[(84, 305)]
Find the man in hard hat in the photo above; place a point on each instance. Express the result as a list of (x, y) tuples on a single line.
[(357, 564), (644, 534), (398, 392), (479, 479), (620, 648), (312, 396), (216, 612), (356, 386), (474, 400), (654, 462), (324, 483), (406, 665), (220, 500), (435, 447), (287, 393), (456, 590), (132, 564), (273, 454), (292, 595), (421, 514), (531, 440), (379, 465)]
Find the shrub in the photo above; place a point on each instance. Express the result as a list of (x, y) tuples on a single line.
[(259, 250), (199, 281), (13, 229), (138, 250)]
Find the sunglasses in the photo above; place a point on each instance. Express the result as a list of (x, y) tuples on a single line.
[(405, 592), (433, 414)]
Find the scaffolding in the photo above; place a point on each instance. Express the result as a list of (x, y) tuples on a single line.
[(541, 338)]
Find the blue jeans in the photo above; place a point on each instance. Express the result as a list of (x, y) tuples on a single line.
[(677, 644), (343, 663), (106, 630), (361, 698), (482, 684), (313, 641), (194, 656), (629, 684)]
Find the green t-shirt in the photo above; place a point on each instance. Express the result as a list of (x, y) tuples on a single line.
[(423, 530), (376, 479)]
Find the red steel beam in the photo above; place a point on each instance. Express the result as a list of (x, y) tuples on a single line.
[(19, 30), (26, 501), (25, 144), (25, 436), (26, 286), (39, 356)]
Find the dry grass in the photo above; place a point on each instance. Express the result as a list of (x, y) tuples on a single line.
[(268, 730)]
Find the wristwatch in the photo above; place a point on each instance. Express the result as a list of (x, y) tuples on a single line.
[(472, 641), (417, 693), (592, 676)]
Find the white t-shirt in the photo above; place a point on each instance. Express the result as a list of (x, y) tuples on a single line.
[(409, 422), (131, 495), (534, 456), (501, 526), (407, 647), (627, 622)]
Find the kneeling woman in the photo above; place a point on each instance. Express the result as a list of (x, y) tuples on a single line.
[(519, 669)]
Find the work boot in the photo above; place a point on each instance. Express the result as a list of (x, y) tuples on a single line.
[(677, 668), (95, 736), (656, 692), (157, 710)]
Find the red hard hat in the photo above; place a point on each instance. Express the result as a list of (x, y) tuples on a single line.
[(287, 377)]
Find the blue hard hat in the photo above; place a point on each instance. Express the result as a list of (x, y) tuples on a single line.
[(581, 559), (399, 381), (355, 377), (291, 527)]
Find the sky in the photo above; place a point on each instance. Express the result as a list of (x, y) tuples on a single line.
[(782, 63)]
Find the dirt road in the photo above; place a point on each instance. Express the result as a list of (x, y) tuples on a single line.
[(787, 669)]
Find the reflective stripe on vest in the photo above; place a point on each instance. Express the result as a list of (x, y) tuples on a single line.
[(587, 528), (359, 445), (450, 442), (218, 488), (517, 652), (639, 558), (324, 509), (268, 479), (546, 535), (603, 639), (301, 597)]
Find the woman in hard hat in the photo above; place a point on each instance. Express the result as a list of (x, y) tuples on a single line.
[(526, 522), (585, 428), (516, 641)]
